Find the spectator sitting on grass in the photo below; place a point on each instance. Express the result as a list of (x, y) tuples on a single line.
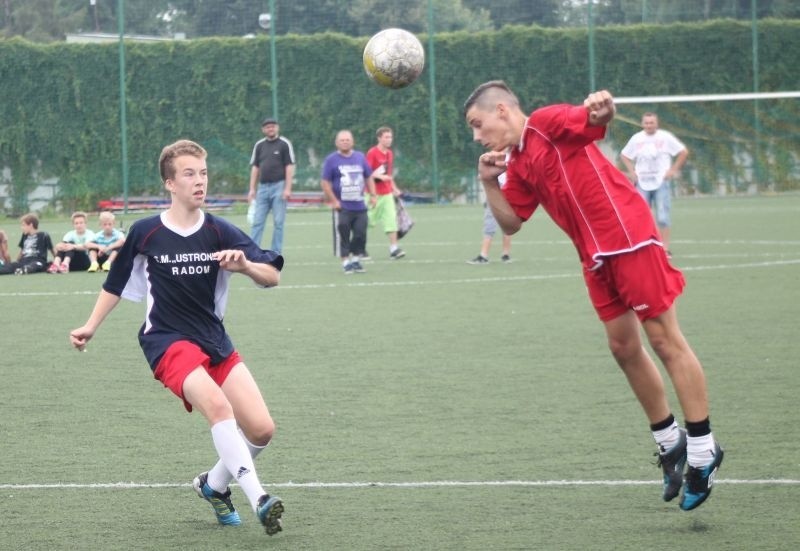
[(106, 244), (72, 253), (33, 246), (4, 258)]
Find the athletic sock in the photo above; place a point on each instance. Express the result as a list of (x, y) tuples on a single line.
[(393, 248), (666, 433), (700, 445), (700, 450), (219, 477), (233, 452)]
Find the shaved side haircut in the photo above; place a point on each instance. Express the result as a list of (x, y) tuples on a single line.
[(489, 94)]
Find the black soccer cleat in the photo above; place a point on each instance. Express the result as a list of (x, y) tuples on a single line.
[(269, 511), (672, 463), (699, 481)]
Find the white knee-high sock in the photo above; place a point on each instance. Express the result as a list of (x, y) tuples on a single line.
[(219, 477), (234, 454)]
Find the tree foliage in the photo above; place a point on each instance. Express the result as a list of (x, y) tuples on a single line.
[(217, 90), (373, 15), (521, 12), (51, 20)]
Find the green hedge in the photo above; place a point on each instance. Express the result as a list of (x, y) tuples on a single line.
[(60, 114)]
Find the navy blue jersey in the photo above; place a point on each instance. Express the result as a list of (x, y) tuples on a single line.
[(186, 291)]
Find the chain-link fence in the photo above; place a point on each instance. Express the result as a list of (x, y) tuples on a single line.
[(300, 60)]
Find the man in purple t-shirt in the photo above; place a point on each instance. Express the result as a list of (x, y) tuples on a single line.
[(345, 175)]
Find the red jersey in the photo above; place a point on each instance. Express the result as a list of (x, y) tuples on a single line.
[(558, 165), (377, 158)]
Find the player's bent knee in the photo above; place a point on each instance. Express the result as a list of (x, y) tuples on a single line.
[(624, 350), (261, 434), (669, 351), (662, 346)]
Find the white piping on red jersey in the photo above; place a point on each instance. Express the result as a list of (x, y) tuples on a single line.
[(598, 256)]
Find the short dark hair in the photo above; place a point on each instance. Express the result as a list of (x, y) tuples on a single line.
[(31, 219), (381, 131), (166, 164), (478, 96)]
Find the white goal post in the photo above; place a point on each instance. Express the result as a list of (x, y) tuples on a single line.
[(706, 97)]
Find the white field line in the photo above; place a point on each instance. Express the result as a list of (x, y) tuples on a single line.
[(419, 484), (414, 283), (540, 277), (765, 264), (565, 241)]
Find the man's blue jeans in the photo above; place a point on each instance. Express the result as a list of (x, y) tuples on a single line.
[(660, 199), (269, 197)]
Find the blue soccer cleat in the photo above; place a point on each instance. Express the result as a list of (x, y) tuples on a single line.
[(269, 511), (699, 481), (672, 463), (221, 503)]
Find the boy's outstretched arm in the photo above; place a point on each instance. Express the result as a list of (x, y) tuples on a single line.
[(105, 303), (234, 260)]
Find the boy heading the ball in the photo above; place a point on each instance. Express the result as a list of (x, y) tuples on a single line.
[(554, 163), (181, 262)]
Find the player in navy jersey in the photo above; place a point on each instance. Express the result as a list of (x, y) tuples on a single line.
[(180, 262), (554, 163)]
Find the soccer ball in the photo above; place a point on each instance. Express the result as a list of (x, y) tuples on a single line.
[(394, 58)]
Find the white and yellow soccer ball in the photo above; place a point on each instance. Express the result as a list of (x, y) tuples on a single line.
[(394, 58)]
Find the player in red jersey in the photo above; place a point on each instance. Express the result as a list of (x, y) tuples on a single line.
[(384, 214), (553, 161)]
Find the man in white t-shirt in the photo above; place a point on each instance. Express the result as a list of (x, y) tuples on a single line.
[(653, 158)]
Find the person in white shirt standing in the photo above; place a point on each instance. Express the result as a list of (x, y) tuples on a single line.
[(654, 157)]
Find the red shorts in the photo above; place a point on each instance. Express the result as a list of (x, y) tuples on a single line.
[(183, 357), (642, 280)]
